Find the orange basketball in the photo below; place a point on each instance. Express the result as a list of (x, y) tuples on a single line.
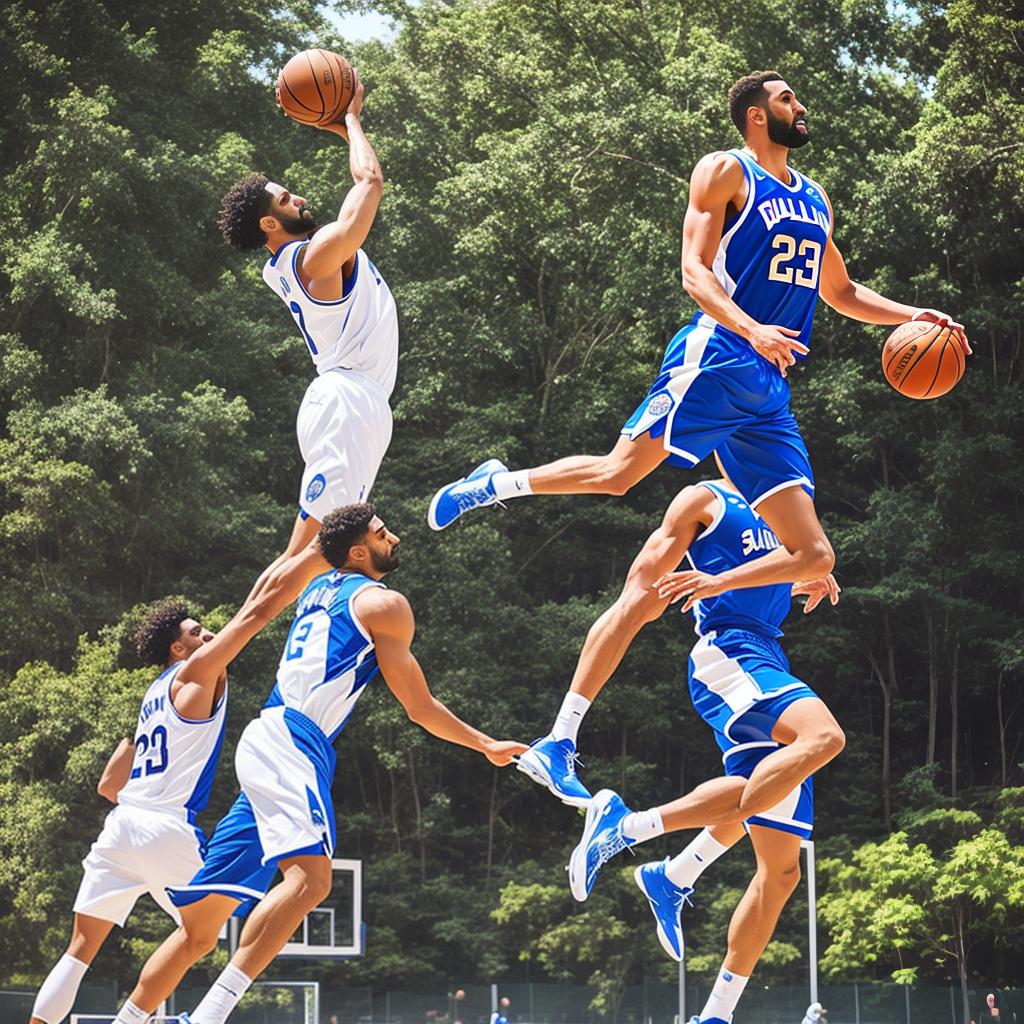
[(922, 359), (315, 87)]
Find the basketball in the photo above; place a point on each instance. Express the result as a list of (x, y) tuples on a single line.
[(315, 87), (922, 360)]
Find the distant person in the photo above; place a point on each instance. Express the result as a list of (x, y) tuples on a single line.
[(346, 314), (500, 1016), (347, 625), (159, 781)]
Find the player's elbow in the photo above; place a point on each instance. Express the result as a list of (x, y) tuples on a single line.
[(107, 790), (421, 713), (372, 180), (817, 560)]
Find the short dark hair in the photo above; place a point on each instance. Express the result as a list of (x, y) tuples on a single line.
[(161, 626), (748, 92), (343, 528), (240, 211)]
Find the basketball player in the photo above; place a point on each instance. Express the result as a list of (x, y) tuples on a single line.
[(757, 247), (346, 315), (347, 625), (159, 783), (773, 730)]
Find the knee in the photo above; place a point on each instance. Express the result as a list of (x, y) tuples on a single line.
[(314, 883), (779, 882), (616, 477), (199, 940)]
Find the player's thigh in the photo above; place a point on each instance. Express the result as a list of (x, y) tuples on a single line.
[(88, 934), (777, 852), (310, 876), (806, 719), (202, 921)]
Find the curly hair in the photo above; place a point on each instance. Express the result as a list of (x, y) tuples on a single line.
[(161, 626), (342, 528), (749, 91), (240, 212)]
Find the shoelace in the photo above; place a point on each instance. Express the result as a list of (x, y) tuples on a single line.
[(471, 498), (610, 846), (571, 760)]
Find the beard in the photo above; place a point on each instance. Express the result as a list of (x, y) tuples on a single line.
[(784, 133), (385, 563), (304, 224)]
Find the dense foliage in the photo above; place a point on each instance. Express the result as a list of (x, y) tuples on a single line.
[(536, 156)]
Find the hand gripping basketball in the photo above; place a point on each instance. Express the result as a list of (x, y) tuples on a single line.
[(945, 320)]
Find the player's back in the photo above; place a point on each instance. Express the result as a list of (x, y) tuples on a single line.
[(737, 535), (769, 258), (358, 332), (329, 657), (175, 757)]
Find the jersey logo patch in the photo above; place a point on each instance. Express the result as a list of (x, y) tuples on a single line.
[(659, 405), (316, 487)]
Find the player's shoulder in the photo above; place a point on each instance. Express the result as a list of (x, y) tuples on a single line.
[(692, 503), (721, 163), (378, 604)]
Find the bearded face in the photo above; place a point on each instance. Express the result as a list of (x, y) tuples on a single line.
[(789, 132)]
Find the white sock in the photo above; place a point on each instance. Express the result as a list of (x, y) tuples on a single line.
[(689, 865), (570, 714), (515, 484), (57, 994), (131, 1014), (725, 995), (643, 825), (223, 997)]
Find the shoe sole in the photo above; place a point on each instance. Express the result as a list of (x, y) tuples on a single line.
[(541, 777), (662, 937), (578, 860), (498, 467)]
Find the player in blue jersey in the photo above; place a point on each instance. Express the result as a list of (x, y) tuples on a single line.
[(757, 250), (346, 315), (773, 730), (158, 780), (347, 626)]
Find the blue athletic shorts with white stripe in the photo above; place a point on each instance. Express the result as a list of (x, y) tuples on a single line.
[(714, 392), (740, 684)]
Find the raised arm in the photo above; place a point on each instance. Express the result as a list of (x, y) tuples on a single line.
[(117, 772), (716, 183), (335, 244), (639, 603), (199, 675), (389, 620)]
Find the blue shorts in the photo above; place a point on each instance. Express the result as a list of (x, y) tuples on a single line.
[(715, 393), (740, 684), (285, 766)]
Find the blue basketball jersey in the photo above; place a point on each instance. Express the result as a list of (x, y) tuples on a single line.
[(329, 657), (769, 259), (737, 535)]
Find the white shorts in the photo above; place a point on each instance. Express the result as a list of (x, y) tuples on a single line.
[(344, 429), (285, 768), (137, 852)]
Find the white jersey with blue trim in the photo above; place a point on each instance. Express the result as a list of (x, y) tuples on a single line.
[(769, 259), (329, 657), (175, 757), (357, 332), (737, 535)]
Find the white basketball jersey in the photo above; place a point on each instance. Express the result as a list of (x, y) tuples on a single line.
[(357, 332), (329, 657), (175, 757)]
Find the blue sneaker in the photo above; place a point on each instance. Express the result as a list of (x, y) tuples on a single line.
[(602, 840), (472, 491), (552, 763), (709, 1020), (666, 899)]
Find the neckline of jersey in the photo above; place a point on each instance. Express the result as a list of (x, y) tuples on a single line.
[(797, 182)]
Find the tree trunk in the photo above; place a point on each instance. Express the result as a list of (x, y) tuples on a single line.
[(933, 690), (1002, 732), (961, 964), (418, 809), (492, 814), (954, 707)]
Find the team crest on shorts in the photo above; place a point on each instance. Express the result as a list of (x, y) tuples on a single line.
[(316, 487), (659, 405)]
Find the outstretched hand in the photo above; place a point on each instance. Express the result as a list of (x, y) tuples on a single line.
[(945, 320), (355, 106), (817, 590), (674, 586), (504, 752)]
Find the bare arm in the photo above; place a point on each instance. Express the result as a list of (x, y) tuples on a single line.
[(718, 181), (117, 772), (388, 618), (199, 675), (859, 302), (335, 244), (639, 603)]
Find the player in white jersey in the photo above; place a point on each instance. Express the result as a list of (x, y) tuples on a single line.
[(159, 782), (346, 314), (347, 626)]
